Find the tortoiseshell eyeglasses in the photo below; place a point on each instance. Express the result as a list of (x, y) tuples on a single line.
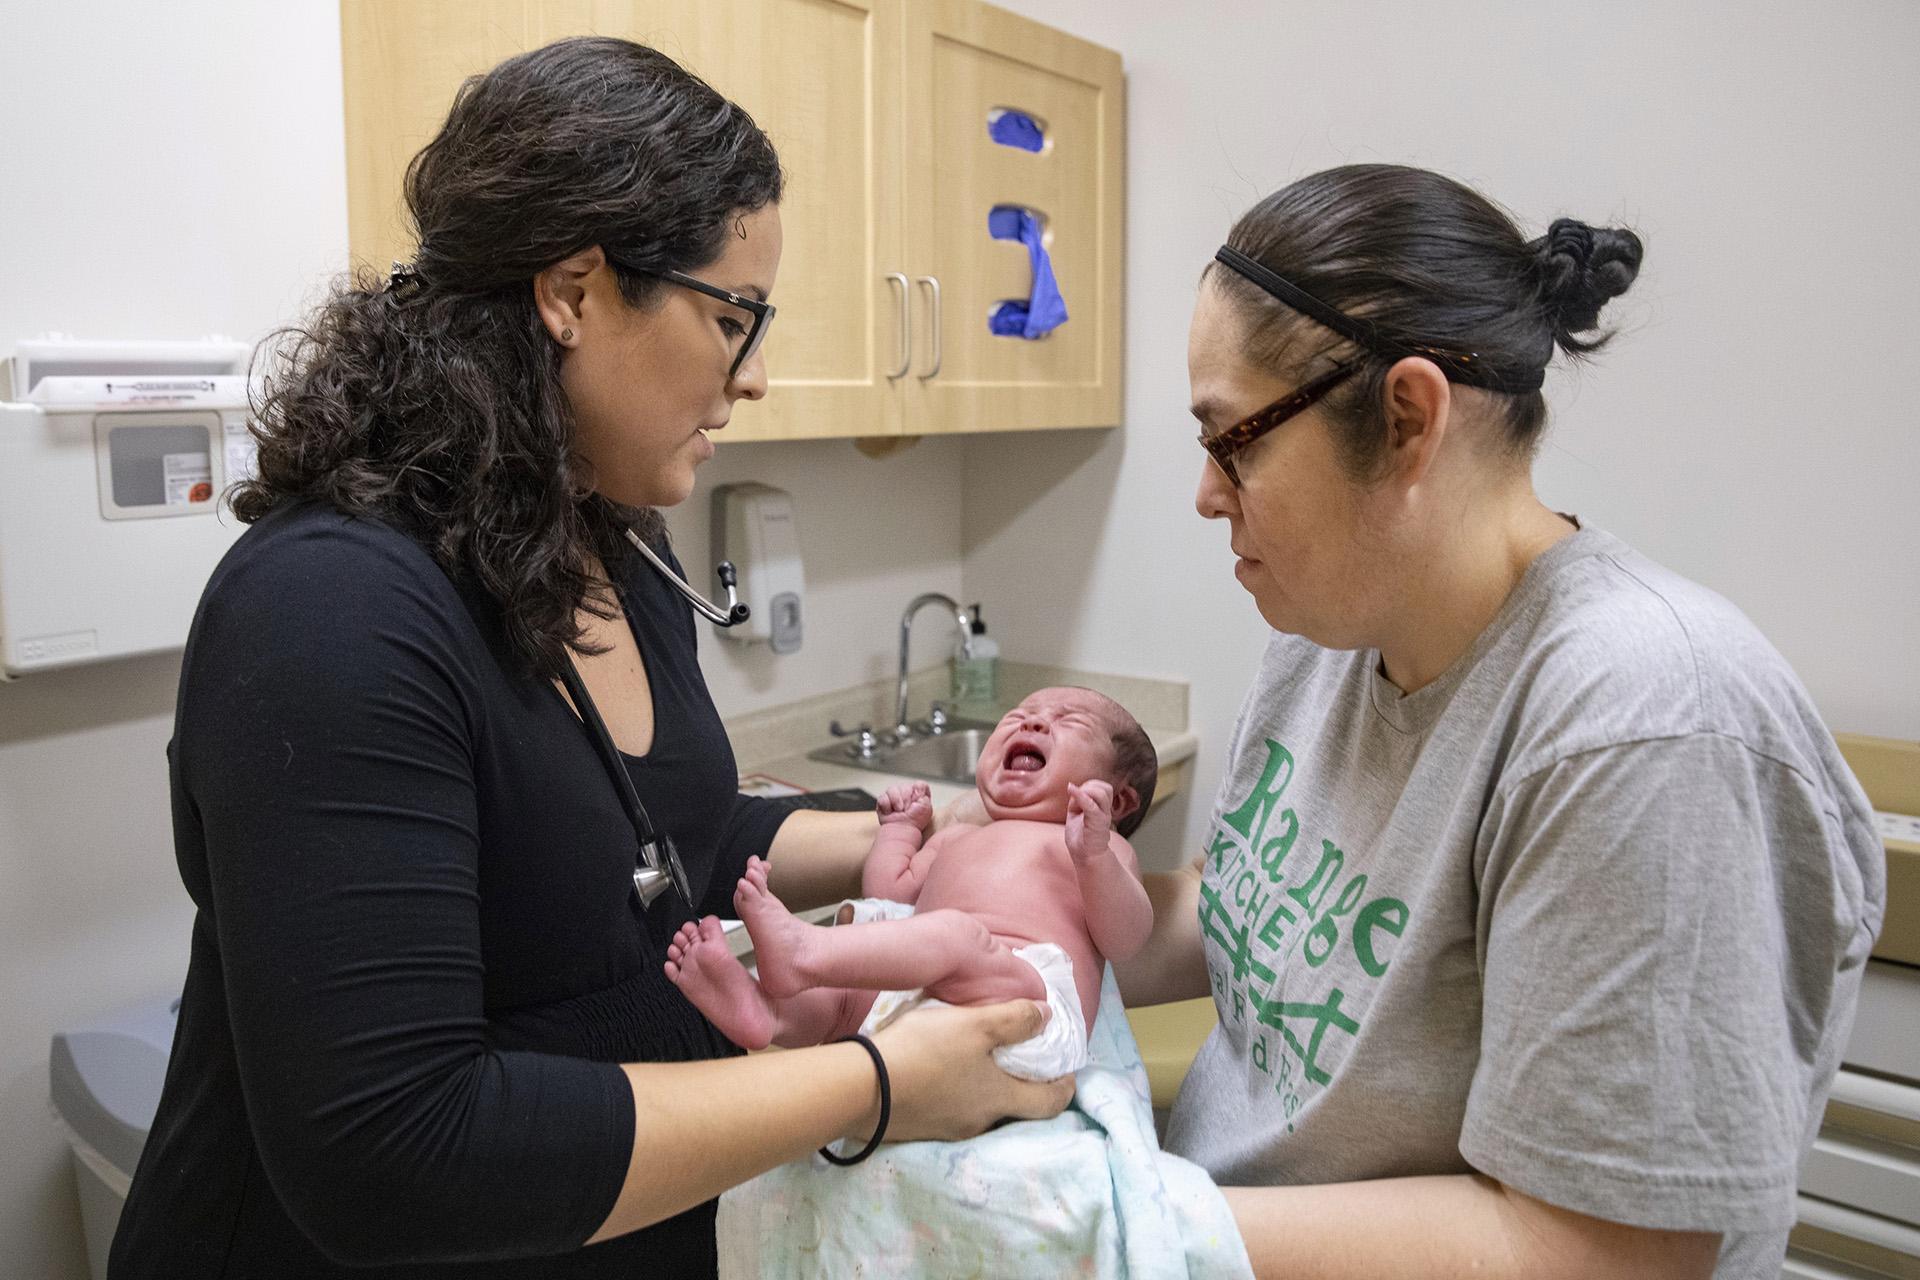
[(1223, 445)]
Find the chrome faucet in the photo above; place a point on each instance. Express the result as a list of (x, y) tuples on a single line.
[(901, 729)]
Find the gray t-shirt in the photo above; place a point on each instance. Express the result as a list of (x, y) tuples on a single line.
[(1587, 914)]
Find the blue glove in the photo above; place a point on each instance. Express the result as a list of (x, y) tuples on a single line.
[(1016, 129), (1045, 310)]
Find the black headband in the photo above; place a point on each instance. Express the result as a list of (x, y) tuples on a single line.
[(1463, 367)]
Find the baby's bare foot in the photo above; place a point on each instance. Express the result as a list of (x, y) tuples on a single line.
[(782, 945), (700, 963)]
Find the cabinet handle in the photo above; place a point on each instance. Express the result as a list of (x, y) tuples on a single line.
[(933, 284), (906, 325)]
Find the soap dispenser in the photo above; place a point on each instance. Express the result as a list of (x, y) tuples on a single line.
[(753, 526), (976, 679)]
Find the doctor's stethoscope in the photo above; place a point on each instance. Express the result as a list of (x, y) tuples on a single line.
[(657, 867)]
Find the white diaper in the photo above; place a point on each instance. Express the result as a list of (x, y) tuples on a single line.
[(1061, 1046)]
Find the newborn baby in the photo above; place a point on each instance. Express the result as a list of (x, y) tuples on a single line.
[(1028, 905)]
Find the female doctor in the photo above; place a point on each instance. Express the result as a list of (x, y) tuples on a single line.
[(426, 1028), (1537, 897)]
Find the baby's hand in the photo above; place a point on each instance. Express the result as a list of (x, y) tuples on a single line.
[(1089, 819), (908, 802)]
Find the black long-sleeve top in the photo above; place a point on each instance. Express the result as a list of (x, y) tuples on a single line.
[(418, 956)]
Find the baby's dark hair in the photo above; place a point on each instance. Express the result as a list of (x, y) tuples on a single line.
[(1135, 763)]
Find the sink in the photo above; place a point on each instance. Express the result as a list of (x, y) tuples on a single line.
[(941, 757)]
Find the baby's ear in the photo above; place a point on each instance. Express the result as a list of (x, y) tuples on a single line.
[(1125, 801)]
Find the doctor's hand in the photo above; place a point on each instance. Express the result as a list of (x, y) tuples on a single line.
[(945, 1082)]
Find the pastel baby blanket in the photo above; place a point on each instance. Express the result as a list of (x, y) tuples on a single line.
[(1087, 1193)]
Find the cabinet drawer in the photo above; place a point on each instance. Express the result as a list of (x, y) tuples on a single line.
[(1800, 1265), (1867, 1243), (1860, 1184), (1883, 1037), (1864, 1173)]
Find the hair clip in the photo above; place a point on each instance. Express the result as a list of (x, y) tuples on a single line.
[(401, 275)]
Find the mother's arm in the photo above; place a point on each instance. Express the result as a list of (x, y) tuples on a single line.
[(1435, 1228), (1172, 965), (1428, 1228), (1635, 1003)]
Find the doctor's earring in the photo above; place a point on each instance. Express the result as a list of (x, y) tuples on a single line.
[(566, 335)]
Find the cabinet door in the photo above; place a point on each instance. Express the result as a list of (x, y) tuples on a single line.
[(401, 61), (964, 62), (821, 76)]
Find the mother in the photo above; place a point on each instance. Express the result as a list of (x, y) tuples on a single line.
[(426, 1029), (1537, 896)]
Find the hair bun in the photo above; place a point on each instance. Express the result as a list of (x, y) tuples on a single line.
[(1582, 268)]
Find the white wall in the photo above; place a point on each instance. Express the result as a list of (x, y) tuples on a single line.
[(1750, 428), (177, 170), (873, 534), (172, 171)]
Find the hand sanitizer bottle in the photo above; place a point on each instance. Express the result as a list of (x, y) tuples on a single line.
[(975, 679)]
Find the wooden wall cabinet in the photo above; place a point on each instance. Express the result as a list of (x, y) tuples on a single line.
[(880, 112)]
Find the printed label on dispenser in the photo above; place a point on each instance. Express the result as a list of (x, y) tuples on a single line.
[(243, 453), (188, 478)]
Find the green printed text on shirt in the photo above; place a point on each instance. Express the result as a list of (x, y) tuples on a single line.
[(1275, 903)]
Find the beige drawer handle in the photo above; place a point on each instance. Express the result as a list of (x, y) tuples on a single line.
[(906, 325), (1870, 1228), (1869, 1093), (933, 285)]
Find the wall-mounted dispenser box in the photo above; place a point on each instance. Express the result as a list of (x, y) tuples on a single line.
[(753, 527), (114, 458)]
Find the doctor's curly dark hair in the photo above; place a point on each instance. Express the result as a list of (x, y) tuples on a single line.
[(432, 400)]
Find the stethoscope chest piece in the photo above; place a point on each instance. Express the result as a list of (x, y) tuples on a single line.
[(657, 865), (658, 870)]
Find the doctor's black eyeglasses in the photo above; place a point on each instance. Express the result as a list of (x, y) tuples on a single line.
[(1224, 444), (762, 312)]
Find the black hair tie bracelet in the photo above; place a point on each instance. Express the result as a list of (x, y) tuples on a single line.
[(886, 1105)]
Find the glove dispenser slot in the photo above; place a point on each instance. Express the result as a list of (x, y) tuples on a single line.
[(1021, 130), (1043, 310)]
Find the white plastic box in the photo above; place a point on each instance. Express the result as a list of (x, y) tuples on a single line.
[(115, 460)]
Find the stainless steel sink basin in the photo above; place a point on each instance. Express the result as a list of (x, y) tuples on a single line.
[(942, 757)]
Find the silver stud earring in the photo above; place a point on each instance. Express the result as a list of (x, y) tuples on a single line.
[(566, 335)]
